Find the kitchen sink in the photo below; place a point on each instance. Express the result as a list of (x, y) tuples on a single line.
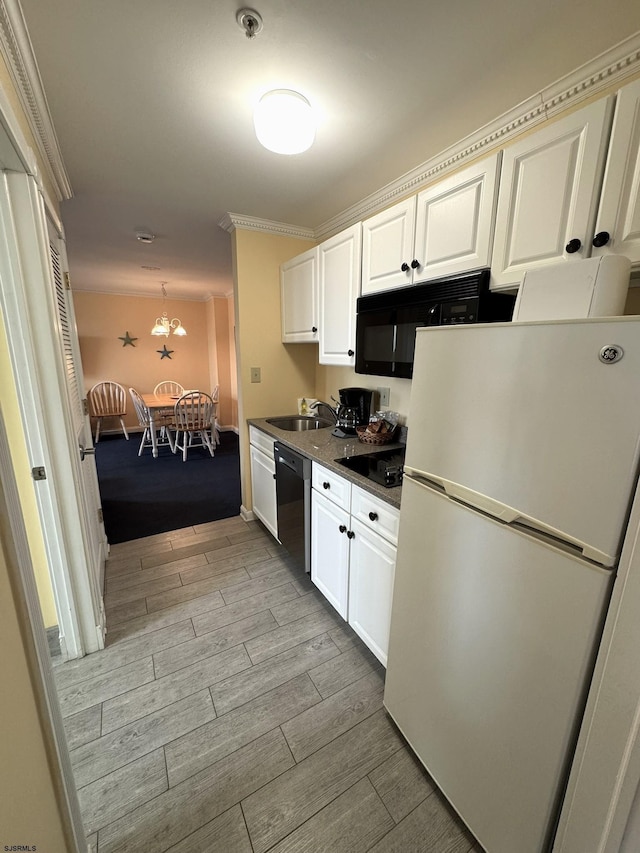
[(294, 423)]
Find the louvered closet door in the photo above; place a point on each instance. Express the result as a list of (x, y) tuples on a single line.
[(90, 492)]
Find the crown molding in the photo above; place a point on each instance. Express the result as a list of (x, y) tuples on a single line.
[(231, 221), (17, 51), (602, 73)]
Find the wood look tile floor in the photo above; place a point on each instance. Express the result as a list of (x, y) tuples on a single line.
[(233, 710)]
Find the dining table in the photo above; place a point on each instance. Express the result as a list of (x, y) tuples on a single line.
[(157, 403)]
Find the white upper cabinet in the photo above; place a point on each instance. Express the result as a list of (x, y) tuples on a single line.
[(454, 221), (617, 227), (445, 229), (299, 298), (387, 247), (339, 288), (548, 196)]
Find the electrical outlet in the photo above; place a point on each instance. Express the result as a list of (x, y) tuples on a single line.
[(255, 374), (383, 394)]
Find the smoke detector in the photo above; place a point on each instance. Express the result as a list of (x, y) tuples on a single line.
[(249, 21), (145, 236)]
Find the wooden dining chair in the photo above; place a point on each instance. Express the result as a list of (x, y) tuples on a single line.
[(193, 415), (107, 400), (168, 386), (144, 419), (215, 426), (164, 417)]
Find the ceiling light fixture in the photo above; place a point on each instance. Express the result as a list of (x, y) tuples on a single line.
[(284, 122), (145, 236), (163, 325)]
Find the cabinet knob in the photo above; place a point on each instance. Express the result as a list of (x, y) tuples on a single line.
[(314, 329), (373, 516), (415, 264), (343, 528), (326, 485), (350, 534), (573, 246), (405, 267), (601, 239), (350, 353)]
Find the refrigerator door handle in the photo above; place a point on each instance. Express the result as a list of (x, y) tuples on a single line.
[(498, 510), (507, 514), (468, 496)]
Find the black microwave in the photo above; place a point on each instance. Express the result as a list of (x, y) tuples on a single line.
[(386, 322)]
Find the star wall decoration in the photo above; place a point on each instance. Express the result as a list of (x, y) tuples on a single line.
[(128, 340), (164, 352)]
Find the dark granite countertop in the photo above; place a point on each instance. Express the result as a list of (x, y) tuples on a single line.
[(320, 446)]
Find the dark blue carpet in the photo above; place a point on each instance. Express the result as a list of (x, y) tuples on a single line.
[(142, 496)]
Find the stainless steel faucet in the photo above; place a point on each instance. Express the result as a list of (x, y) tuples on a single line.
[(318, 403)]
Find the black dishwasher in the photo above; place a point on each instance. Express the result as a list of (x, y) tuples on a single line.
[(293, 497)]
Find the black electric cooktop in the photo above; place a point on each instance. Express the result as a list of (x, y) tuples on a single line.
[(384, 467)]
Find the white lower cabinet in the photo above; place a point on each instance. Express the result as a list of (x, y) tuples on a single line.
[(353, 555), (263, 479), (330, 551), (372, 564)]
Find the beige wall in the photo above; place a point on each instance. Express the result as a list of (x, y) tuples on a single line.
[(103, 318), (288, 371), (29, 812), (330, 379), (223, 314)]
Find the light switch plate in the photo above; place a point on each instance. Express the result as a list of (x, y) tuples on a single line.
[(255, 374), (383, 394)]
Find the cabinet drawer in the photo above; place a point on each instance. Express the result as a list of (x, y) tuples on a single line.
[(261, 440), (376, 514), (332, 486)]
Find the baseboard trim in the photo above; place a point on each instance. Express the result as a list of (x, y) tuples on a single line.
[(246, 514), (53, 641)]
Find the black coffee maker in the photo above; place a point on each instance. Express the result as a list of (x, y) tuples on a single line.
[(353, 411)]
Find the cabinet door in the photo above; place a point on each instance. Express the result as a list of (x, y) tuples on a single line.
[(619, 213), (339, 288), (549, 187), (454, 221), (371, 571), (387, 245), (330, 551), (299, 298), (263, 489)]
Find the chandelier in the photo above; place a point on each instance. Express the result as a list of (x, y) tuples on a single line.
[(163, 325)]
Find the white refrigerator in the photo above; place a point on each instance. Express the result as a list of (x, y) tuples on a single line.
[(521, 459)]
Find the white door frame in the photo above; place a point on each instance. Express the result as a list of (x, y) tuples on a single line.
[(27, 301), (33, 335)]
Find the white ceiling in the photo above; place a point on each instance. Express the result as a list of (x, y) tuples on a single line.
[(152, 105)]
